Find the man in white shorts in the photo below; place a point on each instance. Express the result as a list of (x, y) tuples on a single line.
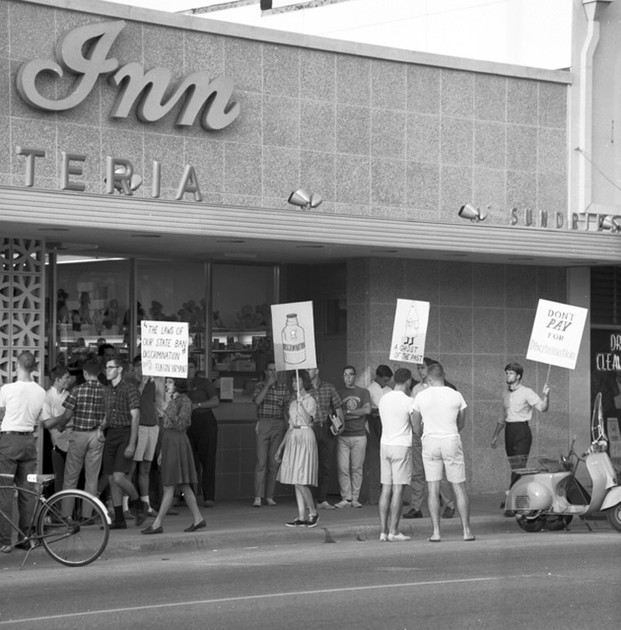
[(395, 410), (152, 405), (439, 415)]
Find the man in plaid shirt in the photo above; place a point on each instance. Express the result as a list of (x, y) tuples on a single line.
[(328, 402), (84, 406), (122, 403), (271, 400)]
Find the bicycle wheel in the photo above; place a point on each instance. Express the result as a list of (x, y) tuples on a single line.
[(73, 528)]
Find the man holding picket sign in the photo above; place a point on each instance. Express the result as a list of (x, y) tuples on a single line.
[(555, 340)]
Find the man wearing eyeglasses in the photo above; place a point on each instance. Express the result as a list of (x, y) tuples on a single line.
[(122, 403)]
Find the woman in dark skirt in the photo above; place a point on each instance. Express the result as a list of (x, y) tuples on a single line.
[(177, 465)]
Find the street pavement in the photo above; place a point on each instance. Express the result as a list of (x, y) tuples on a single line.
[(236, 524)]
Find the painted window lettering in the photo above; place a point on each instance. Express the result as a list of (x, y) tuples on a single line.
[(84, 51)]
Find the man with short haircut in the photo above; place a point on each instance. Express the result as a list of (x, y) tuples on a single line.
[(122, 404), (328, 402), (53, 406), (84, 408), (417, 483), (271, 399), (379, 387), (519, 402), (395, 410), (351, 443), (21, 403), (439, 417), (105, 352), (152, 405)]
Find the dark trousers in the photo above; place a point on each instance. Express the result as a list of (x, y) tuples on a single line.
[(325, 452), (518, 439), (203, 436), (18, 457)]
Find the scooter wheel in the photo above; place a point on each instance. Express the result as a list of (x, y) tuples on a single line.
[(556, 523), (531, 525), (614, 517)]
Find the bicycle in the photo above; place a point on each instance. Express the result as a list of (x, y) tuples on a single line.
[(72, 525)]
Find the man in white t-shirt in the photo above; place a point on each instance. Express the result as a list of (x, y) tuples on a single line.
[(395, 410), (379, 387), (21, 403), (439, 415)]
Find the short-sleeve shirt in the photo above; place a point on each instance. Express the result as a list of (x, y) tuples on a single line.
[(272, 407), (119, 401), (87, 403), (200, 391), (354, 398), (23, 402), (376, 392), (394, 409), (328, 400), (439, 408), (519, 404)]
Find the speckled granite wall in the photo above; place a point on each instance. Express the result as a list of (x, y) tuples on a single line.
[(373, 137), (480, 319)]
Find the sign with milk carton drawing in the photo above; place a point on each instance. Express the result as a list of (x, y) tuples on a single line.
[(409, 331), (293, 332)]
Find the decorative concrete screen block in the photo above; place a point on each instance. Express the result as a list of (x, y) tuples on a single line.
[(22, 302)]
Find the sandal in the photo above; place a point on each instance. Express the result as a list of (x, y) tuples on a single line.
[(6, 549)]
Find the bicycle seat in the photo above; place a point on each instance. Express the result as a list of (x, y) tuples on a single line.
[(44, 480)]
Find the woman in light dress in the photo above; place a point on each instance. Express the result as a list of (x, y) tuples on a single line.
[(298, 451)]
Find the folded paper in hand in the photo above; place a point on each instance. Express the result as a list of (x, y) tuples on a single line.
[(335, 424)]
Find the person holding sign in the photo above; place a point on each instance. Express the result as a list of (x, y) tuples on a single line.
[(519, 402), (298, 450), (177, 462)]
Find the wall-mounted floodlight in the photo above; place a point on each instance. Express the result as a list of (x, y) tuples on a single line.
[(468, 211), (304, 200), (611, 223)]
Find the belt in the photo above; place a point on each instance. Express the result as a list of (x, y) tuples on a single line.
[(17, 432), (302, 427), (270, 418), (85, 430)]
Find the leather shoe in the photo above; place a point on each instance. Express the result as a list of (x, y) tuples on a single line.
[(413, 513), (153, 530), (194, 527), (449, 512), (118, 525)]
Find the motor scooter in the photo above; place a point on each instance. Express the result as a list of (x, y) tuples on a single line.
[(549, 496)]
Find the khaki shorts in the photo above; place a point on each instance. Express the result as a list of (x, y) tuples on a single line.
[(395, 465), (445, 453), (146, 443)]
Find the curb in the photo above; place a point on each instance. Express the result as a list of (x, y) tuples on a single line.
[(273, 537)]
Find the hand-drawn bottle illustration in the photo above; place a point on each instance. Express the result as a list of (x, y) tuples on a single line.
[(411, 325), (293, 341)]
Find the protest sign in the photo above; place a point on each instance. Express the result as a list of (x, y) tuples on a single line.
[(409, 331), (557, 333), (293, 332), (164, 349)]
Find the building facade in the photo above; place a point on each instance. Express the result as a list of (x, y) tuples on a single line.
[(147, 159)]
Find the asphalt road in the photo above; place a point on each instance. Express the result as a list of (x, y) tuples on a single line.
[(547, 580)]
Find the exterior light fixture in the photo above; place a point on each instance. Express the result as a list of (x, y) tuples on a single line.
[(468, 211), (611, 223), (304, 200)]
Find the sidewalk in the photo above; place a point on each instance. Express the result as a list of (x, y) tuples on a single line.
[(236, 524)]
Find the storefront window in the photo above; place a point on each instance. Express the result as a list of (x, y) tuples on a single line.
[(241, 343), (175, 291), (91, 307)]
